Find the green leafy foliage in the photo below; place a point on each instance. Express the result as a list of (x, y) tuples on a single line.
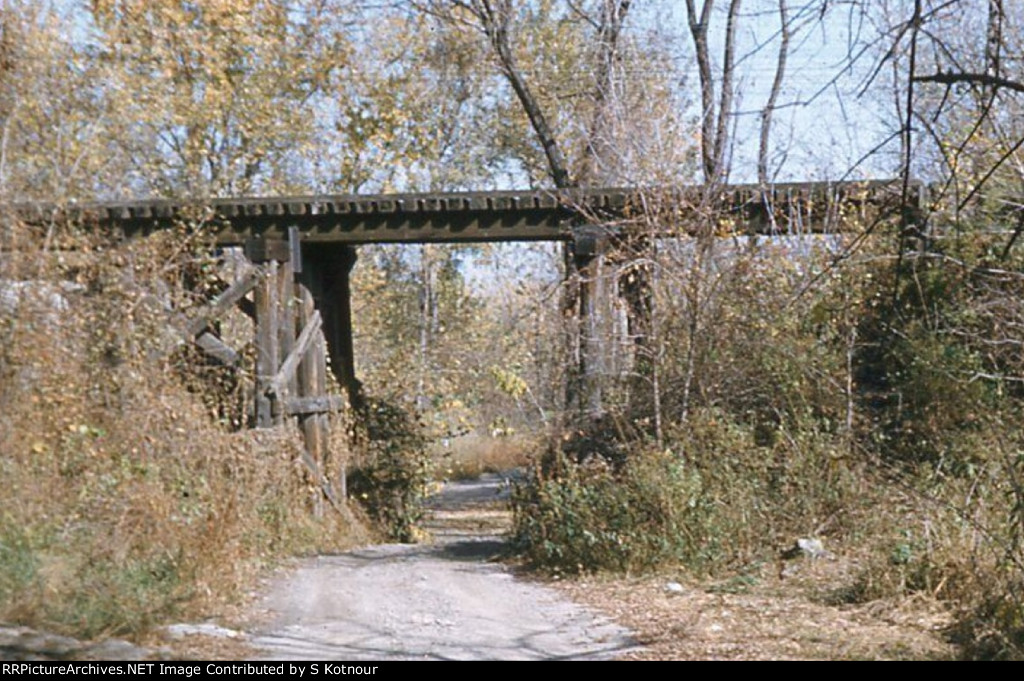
[(393, 470), (19, 563), (714, 499), (934, 361), (588, 517)]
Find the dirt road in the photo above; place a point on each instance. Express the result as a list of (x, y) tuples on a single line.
[(442, 600), (450, 600)]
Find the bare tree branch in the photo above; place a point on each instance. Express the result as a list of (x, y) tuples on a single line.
[(915, 24), (714, 123), (994, 39), (699, 31), (769, 109), (725, 100), (973, 78), (609, 30), (495, 18)]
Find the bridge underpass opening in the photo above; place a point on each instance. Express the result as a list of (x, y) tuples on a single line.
[(471, 337)]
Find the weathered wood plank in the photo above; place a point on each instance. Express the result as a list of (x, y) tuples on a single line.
[(221, 303), (266, 344), (278, 385), (312, 383), (322, 404), (287, 319), (264, 248), (295, 249), (218, 349)]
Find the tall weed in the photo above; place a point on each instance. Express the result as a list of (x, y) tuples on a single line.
[(126, 500), (713, 499)]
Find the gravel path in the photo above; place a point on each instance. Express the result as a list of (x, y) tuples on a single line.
[(445, 600)]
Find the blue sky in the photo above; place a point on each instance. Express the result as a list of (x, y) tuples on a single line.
[(820, 132)]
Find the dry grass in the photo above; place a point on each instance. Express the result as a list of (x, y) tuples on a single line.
[(127, 500), (910, 582), (766, 618), (469, 456)]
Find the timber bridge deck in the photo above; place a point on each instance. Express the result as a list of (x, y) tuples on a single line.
[(459, 217)]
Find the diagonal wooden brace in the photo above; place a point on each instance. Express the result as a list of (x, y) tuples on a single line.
[(281, 379)]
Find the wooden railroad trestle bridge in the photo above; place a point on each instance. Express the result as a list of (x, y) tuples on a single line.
[(300, 252)]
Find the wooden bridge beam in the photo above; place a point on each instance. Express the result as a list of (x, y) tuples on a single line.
[(327, 272), (267, 343), (587, 300), (473, 216)]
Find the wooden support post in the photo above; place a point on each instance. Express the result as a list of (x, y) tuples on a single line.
[(267, 339), (274, 327), (291, 368), (591, 340), (584, 269), (286, 332), (283, 382), (344, 355), (311, 383), (326, 272)]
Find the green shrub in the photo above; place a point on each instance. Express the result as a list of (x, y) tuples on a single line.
[(591, 518), (114, 598), (19, 564), (720, 496), (393, 469), (78, 585)]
